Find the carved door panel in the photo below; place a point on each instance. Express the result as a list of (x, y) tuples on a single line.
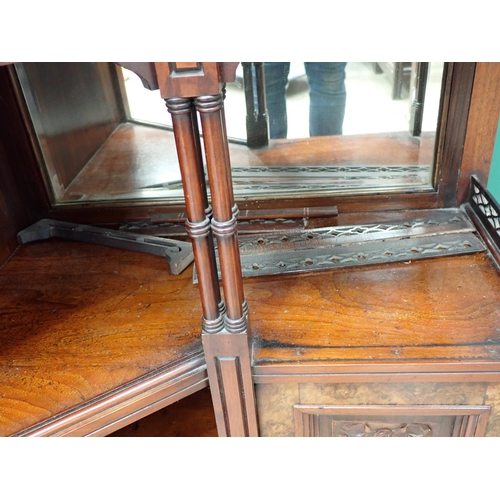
[(390, 421)]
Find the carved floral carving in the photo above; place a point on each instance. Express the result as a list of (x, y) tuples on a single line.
[(372, 429)]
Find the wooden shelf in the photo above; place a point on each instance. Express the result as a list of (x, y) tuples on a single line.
[(91, 336), (423, 316), (94, 338)]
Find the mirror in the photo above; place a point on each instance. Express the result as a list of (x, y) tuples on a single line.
[(105, 138)]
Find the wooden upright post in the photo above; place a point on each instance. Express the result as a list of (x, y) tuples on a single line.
[(187, 87)]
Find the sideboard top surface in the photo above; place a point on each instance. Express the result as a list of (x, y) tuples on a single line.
[(79, 321), (437, 310)]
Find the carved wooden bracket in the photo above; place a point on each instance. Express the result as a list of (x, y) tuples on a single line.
[(183, 79)]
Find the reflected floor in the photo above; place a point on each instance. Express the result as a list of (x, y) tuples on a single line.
[(140, 162)]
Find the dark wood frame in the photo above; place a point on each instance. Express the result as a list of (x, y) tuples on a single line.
[(470, 421)]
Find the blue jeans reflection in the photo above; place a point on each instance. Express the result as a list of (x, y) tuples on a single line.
[(327, 95)]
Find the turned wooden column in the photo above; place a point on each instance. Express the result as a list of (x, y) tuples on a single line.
[(199, 214), (187, 88), (224, 209)]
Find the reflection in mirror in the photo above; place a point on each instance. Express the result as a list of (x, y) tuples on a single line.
[(104, 137), (388, 130)]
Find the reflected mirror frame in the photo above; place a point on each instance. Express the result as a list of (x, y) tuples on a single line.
[(456, 92), (458, 78)]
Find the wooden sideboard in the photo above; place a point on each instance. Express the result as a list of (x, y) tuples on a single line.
[(99, 337), (95, 338)]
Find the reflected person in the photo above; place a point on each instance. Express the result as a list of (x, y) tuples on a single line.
[(327, 97)]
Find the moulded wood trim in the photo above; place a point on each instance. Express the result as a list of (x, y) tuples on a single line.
[(453, 132), (324, 378), (453, 371), (229, 368), (379, 368), (395, 409), (129, 403), (154, 407)]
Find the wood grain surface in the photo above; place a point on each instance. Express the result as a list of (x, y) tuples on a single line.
[(79, 320), (440, 310), (276, 401), (134, 157), (396, 148)]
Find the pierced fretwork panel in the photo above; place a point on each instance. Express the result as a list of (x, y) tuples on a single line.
[(297, 179), (486, 208), (445, 221), (447, 232)]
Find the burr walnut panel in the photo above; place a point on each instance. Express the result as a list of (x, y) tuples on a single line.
[(435, 405), (493, 399)]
